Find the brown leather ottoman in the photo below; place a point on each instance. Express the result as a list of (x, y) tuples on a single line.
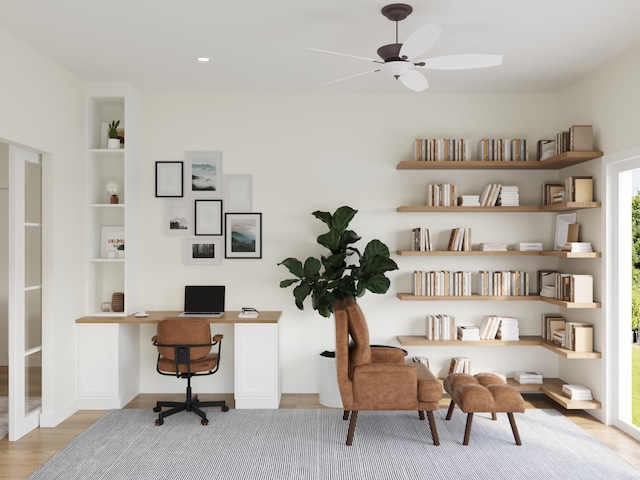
[(483, 392)]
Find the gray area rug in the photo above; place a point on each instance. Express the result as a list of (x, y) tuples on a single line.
[(310, 444)]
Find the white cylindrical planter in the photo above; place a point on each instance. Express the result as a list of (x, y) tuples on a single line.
[(329, 390), (113, 143)]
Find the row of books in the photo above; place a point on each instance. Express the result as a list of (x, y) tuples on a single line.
[(442, 149), (578, 189), (460, 365), (468, 333), (503, 195), (421, 240), (503, 283), (577, 247), (441, 327), (579, 138), (442, 195), (459, 240), (575, 336), (500, 327), (503, 149), (442, 283), (568, 287)]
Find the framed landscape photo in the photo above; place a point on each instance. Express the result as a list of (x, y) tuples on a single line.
[(208, 217), (169, 179), (243, 235), (178, 217), (238, 193), (203, 251), (204, 174)]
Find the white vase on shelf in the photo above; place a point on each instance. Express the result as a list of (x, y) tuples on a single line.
[(113, 143)]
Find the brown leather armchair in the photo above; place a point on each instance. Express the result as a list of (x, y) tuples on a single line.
[(184, 351), (377, 378)]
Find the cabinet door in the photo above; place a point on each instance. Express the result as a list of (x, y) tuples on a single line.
[(97, 361)]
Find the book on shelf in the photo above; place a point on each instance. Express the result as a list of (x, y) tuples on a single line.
[(468, 333), (577, 392), (441, 327), (546, 149), (580, 288), (551, 191), (527, 247), (579, 336), (459, 240), (421, 240), (469, 201), (527, 378), (546, 281), (509, 196), (509, 329), (577, 246), (442, 283), (492, 247), (581, 138), (460, 365), (442, 195), (503, 149), (559, 337), (503, 283), (551, 322), (579, 189)]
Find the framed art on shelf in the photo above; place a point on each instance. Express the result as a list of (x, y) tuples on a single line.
[(238, 193), (208, 217), (243, 235), (204, 174), (178, 217), (110, 239), (169, 179), (203, 251)]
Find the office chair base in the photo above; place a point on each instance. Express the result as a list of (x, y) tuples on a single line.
[(192, 404)]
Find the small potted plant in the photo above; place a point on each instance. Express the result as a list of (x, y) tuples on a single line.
[(121, 250), (114, 141)]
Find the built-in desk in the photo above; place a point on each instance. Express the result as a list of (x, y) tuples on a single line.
[(108, 358)]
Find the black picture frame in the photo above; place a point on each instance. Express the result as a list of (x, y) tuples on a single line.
[(169, 179), (208, 217)]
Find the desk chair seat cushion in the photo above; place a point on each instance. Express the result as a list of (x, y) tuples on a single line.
[(199, 365)]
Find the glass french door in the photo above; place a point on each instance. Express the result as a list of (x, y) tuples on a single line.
[(25, 291)]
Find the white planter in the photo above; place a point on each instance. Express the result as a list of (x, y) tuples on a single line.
[(113, 143), (329, 390)]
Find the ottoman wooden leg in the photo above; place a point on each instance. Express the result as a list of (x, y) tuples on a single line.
[(514, 428), (494, 416), (345, 415), (352, 426), (450, 411), (467, 429), (434, 429), (421, 414)]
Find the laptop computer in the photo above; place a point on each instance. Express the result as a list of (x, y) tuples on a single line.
[(203, 301)]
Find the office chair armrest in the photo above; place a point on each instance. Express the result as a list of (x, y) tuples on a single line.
[(154, 339), (217, 338)]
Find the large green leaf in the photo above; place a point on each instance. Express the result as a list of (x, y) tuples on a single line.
[(378, 284), (342, 217), (324, 216), (294, 265), (376, 247), (330, 240), (312, 267)]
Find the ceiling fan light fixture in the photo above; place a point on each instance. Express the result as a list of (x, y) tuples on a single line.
[(203, 59), (397, 68)]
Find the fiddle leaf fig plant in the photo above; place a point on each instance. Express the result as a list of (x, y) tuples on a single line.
[(332, 277)]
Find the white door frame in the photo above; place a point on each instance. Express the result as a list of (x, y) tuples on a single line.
[(617, 174), (20, 422)]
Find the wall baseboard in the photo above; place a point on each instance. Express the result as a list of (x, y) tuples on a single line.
[(53, 419)]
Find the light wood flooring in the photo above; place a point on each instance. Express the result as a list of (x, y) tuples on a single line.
[(19, 459)]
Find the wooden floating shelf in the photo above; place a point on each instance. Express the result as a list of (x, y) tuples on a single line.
[(408, 297), (552, 388), (562, 303), (508, 253), (558, 207), (563, 160)]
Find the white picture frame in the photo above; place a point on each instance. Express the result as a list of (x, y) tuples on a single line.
[(563, 220), (243, 235), (204, 175), (178, 217), (238, 193), (110, 239), (203, 251)]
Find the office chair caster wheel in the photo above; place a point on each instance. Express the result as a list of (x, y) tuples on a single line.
[(225, 409), (157, 409), (204, 422), (159, 422)]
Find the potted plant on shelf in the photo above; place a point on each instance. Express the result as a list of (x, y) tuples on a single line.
[(333, 277), (114, 141)]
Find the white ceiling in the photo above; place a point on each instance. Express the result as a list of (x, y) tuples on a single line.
[(261, 45)]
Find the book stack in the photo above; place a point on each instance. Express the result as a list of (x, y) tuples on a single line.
[(492, 247), (509, 330), (488, 328), (577, 247), (547, 283), (550, 323), (577, 392), (442, 149), (421, 240), (460, 365), (528, 378), (441, 283), (503, 283), (441, 327), (546, 149), (559, 337), (553, 193), (468, 333), (528, 247), (459, 240), (509, 196), (442, 195), (469, 200), (578, 336), (573, 288), (489, 195)]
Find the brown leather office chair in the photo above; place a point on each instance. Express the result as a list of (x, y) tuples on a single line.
[(376, 377), (184, 351)]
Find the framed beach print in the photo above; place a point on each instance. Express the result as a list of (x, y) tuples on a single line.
[(243, 235), (203, 251), (208, 217), (204, 174), (178, 217), (238, 193), (169, 179)]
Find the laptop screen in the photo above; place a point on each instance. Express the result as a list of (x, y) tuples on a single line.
[(204, 298)]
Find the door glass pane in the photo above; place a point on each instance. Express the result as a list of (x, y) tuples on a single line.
[(33, 195), (33, 256), (33, 318), (33, 382)]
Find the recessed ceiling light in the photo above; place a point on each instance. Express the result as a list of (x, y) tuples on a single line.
[(203, 59)]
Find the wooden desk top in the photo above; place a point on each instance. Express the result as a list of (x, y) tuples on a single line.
[(154, 317)]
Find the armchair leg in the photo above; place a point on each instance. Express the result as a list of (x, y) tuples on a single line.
[(514, 428), (352, 426), (345, 415), (434, 429), (467, 428), (450, 410), (421, 414)]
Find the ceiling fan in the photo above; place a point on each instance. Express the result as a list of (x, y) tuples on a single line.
[(398, 58)]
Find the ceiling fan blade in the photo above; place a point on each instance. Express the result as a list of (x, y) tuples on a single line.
[(461, 62), (350, 76), (420, 41), (415, 81), (344, 55)]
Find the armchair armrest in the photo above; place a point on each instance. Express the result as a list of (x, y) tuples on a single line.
[(387, 354), (385, 386)]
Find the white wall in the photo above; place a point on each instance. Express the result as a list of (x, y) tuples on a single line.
[(43, 109), (4, 254)]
